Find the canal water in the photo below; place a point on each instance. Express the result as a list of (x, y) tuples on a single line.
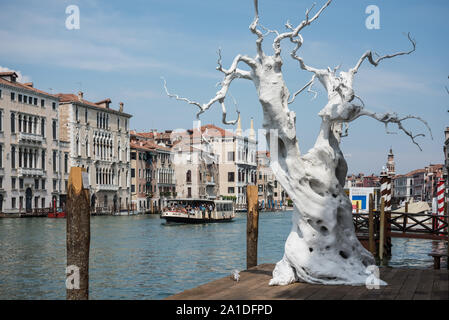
[(140, 257)]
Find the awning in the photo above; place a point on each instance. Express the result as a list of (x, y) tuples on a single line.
[(414, 207)]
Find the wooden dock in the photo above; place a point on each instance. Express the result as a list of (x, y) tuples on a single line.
[(403, 284)]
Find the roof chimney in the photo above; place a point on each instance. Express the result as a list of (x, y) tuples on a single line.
[(11, 76), (121, 107), (29, 84), (80, 95)]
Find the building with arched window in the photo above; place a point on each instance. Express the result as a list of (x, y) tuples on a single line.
[(99, 145), (28, 139)]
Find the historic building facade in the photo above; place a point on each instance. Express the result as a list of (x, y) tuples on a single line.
[(271, 195), (98, 140), (31, 174), (155, 183), (196, 166)]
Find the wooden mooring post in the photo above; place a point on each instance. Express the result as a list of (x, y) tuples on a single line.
[(372, 243), (78, 235), (252, 226), (382, 229)]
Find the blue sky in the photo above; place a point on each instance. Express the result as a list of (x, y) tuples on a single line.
[(123, 48)]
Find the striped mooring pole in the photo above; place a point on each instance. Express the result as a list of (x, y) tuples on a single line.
[(440, 201), (385, 193)]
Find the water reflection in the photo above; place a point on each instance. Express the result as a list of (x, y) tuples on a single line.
[(139, 257)]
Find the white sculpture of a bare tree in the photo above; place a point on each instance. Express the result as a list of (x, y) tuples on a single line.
[(322, 246)]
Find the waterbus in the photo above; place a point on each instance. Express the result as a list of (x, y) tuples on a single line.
[(198, 211)]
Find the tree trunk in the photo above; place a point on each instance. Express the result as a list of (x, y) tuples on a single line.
[(322, 246)]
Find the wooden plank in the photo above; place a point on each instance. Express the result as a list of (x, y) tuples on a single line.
[(394, 285), (402, 284), (408, 290), (424, 289)]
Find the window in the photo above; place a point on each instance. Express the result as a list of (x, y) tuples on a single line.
[(1, 156), (231, 176), (76, 113), (133, 156), (13, 203), (53, 105), (1, 120), (25, 99), (55, 183), (13, 157), (1, 185), (43, 127), (20, 98), (54, 125), (35, 101), (0, 93), (13, 96), (20, 183), (54, 162), (231, 156), (133, 172), (42, 103), (43, 203), (66, 163), (189, 176), (36, 184), (30, 100), (231, 190), (85, 115), (43, 161), (13, 123), (133, 188), (13, 183)]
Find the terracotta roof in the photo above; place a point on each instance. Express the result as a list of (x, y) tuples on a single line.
[(70, 97), (411, 173), (8, 73), (104, 101), (148, 146), (23, 86)]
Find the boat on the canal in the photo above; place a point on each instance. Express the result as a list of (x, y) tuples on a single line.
[(198, 211), (57, 214)]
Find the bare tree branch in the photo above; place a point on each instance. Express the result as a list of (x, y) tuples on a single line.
[(295, 31), (309, 86), (369, 55), (257, 32), (230, 74), (387, 118), (238, 73)]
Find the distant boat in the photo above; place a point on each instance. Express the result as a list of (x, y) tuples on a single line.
[(58, 214), (189, 211)]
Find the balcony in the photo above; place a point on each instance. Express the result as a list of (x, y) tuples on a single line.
[(30, 172), (30, 137), (107, 187)]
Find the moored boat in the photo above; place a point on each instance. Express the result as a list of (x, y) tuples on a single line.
[(60, 214)]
